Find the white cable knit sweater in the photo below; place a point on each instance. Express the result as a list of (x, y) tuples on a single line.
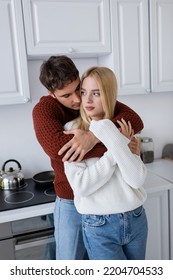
[(110, 184)]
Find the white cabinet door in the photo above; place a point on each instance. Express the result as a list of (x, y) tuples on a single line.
[(156, 207), (130, 23), (73, 27), (161, 20), (142, 45), (14, 85), (171, 222)]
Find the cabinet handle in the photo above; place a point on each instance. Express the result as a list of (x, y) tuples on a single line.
[(34, 243), (70, 50), (26, 100), (148, 90)]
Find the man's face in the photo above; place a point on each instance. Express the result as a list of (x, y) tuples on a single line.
[(69, 96)]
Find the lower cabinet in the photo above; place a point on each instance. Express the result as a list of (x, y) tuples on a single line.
[(157, 210), (171, 222)]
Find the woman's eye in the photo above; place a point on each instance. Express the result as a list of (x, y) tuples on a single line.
[(96, 93), (83, 93)]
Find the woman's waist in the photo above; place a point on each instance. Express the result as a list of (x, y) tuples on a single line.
[(110, 202)]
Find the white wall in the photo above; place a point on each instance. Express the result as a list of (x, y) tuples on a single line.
[(155, 109), (17, 138)]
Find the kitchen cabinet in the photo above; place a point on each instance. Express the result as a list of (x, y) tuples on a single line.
[(77, 28), (14, 82), (156, 207), (171, 222), (161, 31), (142, 43), (164, 169), (157, 210)]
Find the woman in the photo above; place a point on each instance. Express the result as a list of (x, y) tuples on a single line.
[(108, 191)]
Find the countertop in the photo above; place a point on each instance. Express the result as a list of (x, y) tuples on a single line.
[(159, 178), (155, 183), (26, 212), (163, 168)]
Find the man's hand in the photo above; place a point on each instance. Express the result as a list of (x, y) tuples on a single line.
[(126, 130), (134, 146), (78, 146)]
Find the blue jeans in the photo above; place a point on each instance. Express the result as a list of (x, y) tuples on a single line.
[(68, 231), (117, 236)]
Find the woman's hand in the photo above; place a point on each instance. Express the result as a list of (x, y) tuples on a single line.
[(126, 128), (135, 146)]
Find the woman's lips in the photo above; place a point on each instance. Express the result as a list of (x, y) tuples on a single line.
[(89, 108)]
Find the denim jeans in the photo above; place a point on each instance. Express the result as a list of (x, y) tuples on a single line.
[(68, 231), (117, 236)]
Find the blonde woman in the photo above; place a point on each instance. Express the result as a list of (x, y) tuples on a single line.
[(108, 191)]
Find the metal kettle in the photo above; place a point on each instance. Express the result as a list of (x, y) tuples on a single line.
[(11, 179)]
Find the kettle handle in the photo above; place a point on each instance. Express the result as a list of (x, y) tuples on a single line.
[(19, 165)]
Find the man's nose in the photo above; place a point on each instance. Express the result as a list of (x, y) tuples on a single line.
[(77, 98)]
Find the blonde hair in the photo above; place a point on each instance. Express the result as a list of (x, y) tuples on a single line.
[(107, 83)]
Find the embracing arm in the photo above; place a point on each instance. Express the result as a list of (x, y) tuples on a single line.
[(48, 125), (122, 111), (85, 145)]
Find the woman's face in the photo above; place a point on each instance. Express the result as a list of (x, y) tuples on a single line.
[(91, 99)]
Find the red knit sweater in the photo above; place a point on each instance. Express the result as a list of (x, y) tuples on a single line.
[(49, 117)]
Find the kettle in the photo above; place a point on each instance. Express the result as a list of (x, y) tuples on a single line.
[(11, 179)]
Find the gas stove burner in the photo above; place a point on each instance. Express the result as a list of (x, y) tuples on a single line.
[(19, 197), (50, 192)]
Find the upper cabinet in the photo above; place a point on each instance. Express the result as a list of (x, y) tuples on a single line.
[(142, 44), (161, 36), (14, 85), (77, 28)]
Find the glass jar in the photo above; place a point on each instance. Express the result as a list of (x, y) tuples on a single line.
[(147, 149)]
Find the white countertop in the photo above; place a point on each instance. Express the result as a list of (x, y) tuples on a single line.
[(26, 212), (163, 168), (155, 183), (159, 178)]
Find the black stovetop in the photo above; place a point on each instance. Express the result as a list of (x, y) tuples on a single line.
[(28, 195)]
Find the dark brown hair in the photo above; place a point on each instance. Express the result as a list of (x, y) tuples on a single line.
[(57, 72)]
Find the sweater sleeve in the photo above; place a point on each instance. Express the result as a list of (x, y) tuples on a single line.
[(125, 112), (131, 166), (48, 118)]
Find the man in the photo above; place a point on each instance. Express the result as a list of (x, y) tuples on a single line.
[(61, 78)]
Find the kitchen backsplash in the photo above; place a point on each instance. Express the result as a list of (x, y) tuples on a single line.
[(18, 140)]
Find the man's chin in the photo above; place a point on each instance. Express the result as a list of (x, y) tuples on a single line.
[(76, 108)]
